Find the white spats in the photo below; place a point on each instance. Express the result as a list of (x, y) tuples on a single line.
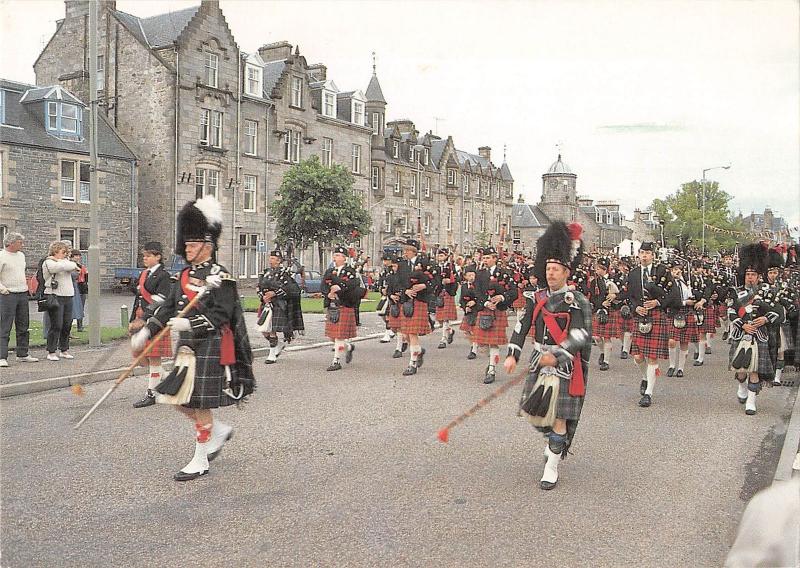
[(607, 351), (701, 347), (199, 463), (651, 379), (338, 349), (626, 342), (550, 474), (494, 356), (750, 404), (220, 433), (673, 357), (741, 392), (387, 336), (682, 358), (777, 379)]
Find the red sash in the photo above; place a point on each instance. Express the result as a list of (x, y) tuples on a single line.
[(577, 386), (147, 296), (227, 348)]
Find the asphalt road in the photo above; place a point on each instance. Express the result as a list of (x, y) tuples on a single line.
[(341, 469)]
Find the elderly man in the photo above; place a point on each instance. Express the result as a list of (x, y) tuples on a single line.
[(14, 299)]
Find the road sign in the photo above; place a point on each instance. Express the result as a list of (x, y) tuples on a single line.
[(261, 246)]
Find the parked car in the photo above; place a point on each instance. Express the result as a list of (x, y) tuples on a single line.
[(310, 283), (129, 276)]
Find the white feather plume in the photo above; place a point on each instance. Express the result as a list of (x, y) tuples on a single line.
[(211, 208)]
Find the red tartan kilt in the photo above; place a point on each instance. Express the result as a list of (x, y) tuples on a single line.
[(418, 323), (495, 335), (710, 323), (627, 325), (689, 334), (722, 312), (465, 327), (607, 330), (163, 347), (345, 328), (654, 345), (520, 301), (448, 311), (394, 322)]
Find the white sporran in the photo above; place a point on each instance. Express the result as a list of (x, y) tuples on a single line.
[(265, 319), (182, 374), (540, 404)]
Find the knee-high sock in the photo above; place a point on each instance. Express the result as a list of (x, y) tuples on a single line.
[(494, 356), (607, 350), (474, 347), (399, 337), (626, 342), (339, 348), (682, 357), (701, 347), (643, 368), (445, 330), (651, 379), (156, 372), (673, 356), (415, 351)]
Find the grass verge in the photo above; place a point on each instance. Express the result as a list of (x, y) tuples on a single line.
[(107, 334)]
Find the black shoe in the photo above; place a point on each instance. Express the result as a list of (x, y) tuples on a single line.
[(335, 366), (671, 372), (348, 358), (708, 350), (442, 344), (181, 476), (750, 411), (397, 354), (645, 401), (421, 358), (410, 370), (696, 354), (490, 377), (148, 400), (623, 355), (547, 485), (602, 358), (642, 387), (472, 355), (724, 336), (450, 336), (269, 361), (679, 374), (404, 347), (604, 366), (697, 363)]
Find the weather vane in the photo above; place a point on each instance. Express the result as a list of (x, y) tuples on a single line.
[(374, 60)]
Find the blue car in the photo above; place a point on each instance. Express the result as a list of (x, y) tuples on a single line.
[(311, 282)]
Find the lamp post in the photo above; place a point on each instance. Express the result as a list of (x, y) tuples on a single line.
[(418, 151), (703, 182)]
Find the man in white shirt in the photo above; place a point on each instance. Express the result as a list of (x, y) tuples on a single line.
[(14, 299)]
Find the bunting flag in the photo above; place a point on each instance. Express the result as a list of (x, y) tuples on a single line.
[(762, 234)]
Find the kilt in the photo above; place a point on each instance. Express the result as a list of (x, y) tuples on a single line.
[(418, 323), (603, 331), (710, 321), (567, 407), (448, 311), (627, 325), (163, 348), (520, 301), (615, 324), (722, 313), (495, 335), (688, 334), (786, 337), (394, 322), (345, 328), (280, 316), (766, 371), (209, 379), (654, 345), (465, 326)]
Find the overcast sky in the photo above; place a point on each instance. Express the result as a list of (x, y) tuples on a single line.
[(641, 95)]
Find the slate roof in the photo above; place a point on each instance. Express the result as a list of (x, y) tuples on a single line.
[(505, 172), (525, 216), (437, 149), (273, 71), (592, 210), (29, 119), (559, 167), (374, 92), (160, 30)]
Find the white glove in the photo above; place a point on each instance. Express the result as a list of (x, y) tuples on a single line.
[(180, 324), (139, 338), (213, 281), (158, 298)]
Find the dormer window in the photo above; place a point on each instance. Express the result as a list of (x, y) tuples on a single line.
[(254, 85), (329, 103), (395, 149), (410, 152), (63, 118), (451, 177), (426, 156), (211, 68), (297, 92), (358, 113)]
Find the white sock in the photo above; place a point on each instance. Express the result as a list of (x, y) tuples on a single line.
[(607, 350), (156, 371), (415, 351), (673, 357), (445, 330), (682, 358), (701, 348), (339, 348), (626, 342), (399, 341), (778, 373), (494, 356), (651, 379), (474, 347)]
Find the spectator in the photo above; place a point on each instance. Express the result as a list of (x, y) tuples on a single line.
[(77, 301), (14, 299), (57, 271), (82, 278)]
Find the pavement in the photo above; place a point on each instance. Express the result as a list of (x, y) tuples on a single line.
[(342, 469)]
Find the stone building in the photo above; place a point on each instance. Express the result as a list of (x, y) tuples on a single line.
[(602, 221), (44, 176), (766, 221), (528, 223), (645, 226)]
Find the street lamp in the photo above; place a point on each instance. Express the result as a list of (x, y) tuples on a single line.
[(703, 182), (418, 151)]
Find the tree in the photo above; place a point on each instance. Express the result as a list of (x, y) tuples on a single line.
[(682, 213), (317, 204)]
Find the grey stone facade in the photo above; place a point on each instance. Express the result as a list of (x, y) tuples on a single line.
[(44, 193)]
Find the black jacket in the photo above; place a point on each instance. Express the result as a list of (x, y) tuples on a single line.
[(158, 282)]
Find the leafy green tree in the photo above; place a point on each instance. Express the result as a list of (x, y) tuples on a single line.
[(316, 203), (682, 213)]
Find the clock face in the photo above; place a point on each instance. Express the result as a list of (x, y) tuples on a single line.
[(553, 184)]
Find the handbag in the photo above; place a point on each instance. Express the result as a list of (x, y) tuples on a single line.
[(48, 302), (408, 308), (679, 321), (539, 404), (485, 321)]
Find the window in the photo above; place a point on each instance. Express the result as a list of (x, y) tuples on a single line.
[(211, 64), (206, 182), (376, 123), (427, 186), (497, 224), (482, 222), (426, 156), (397, 177), (329, 106), (387, 222), (598, 216), (465, 184), (356, 159), (395, 149), (254, 85), (76, 236), (358, 113), (376, 177), (52, 116), (291, 146), (2, 165), (248, 259), (413, 185), (516, 236), (496, 191), (451, 177), (249, 193), (3, 233), (426, 225), (251, 137), (211, 128), (73, 188), (406, 225), (327, 152), (297, 92), (411, 152), (63, 117), (2, 108), (467, 221), (101, 72), (450, 219)]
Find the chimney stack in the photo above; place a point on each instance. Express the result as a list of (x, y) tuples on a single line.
[(485, 152)]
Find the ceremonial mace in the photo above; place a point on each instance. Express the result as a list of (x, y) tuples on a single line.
[(127, 372)]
